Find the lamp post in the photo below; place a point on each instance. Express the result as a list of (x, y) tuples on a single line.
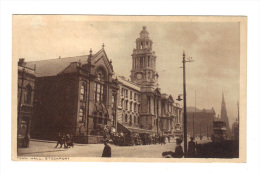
[(184, 103)]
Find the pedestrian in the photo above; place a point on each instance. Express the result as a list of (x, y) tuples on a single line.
[(59, 140), (26, 141), (107, 150), (169, 139), (178, 149), (191, 148)]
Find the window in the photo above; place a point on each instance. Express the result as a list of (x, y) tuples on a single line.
[(130, 120), (28, 94), (113, 101), (149, 105), (135, 107), (126, 93), (126, 105), (138, 108), (82, 92), (131, 106), (125, 117), (122, 103), (141, 62), (135, 120), (148, 61), (135, 96), (81, 114), (122, 91), (99, 93), (130, 94)]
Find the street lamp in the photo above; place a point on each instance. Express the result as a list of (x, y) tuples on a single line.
[(189, 59)]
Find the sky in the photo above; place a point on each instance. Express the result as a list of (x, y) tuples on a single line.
[(214, 47)]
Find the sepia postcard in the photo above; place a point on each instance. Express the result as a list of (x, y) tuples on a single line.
[(129, 88)]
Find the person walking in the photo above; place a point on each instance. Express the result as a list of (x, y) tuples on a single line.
[(107, 150), (191, 148), (59, 140)]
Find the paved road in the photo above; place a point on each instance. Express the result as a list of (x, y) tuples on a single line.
[(47, 149)]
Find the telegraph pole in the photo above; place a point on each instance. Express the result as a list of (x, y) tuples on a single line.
[(193, 117), (184, 104)]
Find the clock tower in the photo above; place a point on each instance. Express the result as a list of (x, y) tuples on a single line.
[(144, 74), (144, 61)]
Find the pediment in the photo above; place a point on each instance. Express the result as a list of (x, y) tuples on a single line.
[(100, 59)]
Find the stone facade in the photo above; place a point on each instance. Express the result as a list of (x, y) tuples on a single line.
[(75, 95), (156, 112), (26, 85)]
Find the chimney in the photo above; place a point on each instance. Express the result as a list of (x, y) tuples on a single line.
[(21, 62)]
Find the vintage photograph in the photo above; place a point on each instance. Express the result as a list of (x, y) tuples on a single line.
[(129, 87)]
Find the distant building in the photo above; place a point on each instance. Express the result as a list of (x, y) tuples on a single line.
[(224, 116), (201, 121), (26, 83), (235, 130)]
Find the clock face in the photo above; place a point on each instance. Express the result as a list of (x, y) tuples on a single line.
[(139, 76)]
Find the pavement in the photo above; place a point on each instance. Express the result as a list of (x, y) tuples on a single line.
[(40, 148)]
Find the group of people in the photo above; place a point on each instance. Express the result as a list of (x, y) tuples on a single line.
[(66, 140), (179, 151), (123, 139)]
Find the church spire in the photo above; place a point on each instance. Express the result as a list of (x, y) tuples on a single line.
[(224, 116), (223, 98)]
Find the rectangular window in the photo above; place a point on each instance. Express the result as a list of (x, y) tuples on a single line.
[(149, 105), (135, 107), (126, 105), (122, 103), (126, 93), (98, 92), (135, 96), (131, 94), (83, 92), (131, 106), (122, 91)]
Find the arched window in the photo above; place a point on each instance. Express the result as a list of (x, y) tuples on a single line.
[(28, 94), (125, 117), (100, 88)]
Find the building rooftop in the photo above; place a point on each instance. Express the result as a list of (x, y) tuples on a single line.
[(128, 83), (52, 67)]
